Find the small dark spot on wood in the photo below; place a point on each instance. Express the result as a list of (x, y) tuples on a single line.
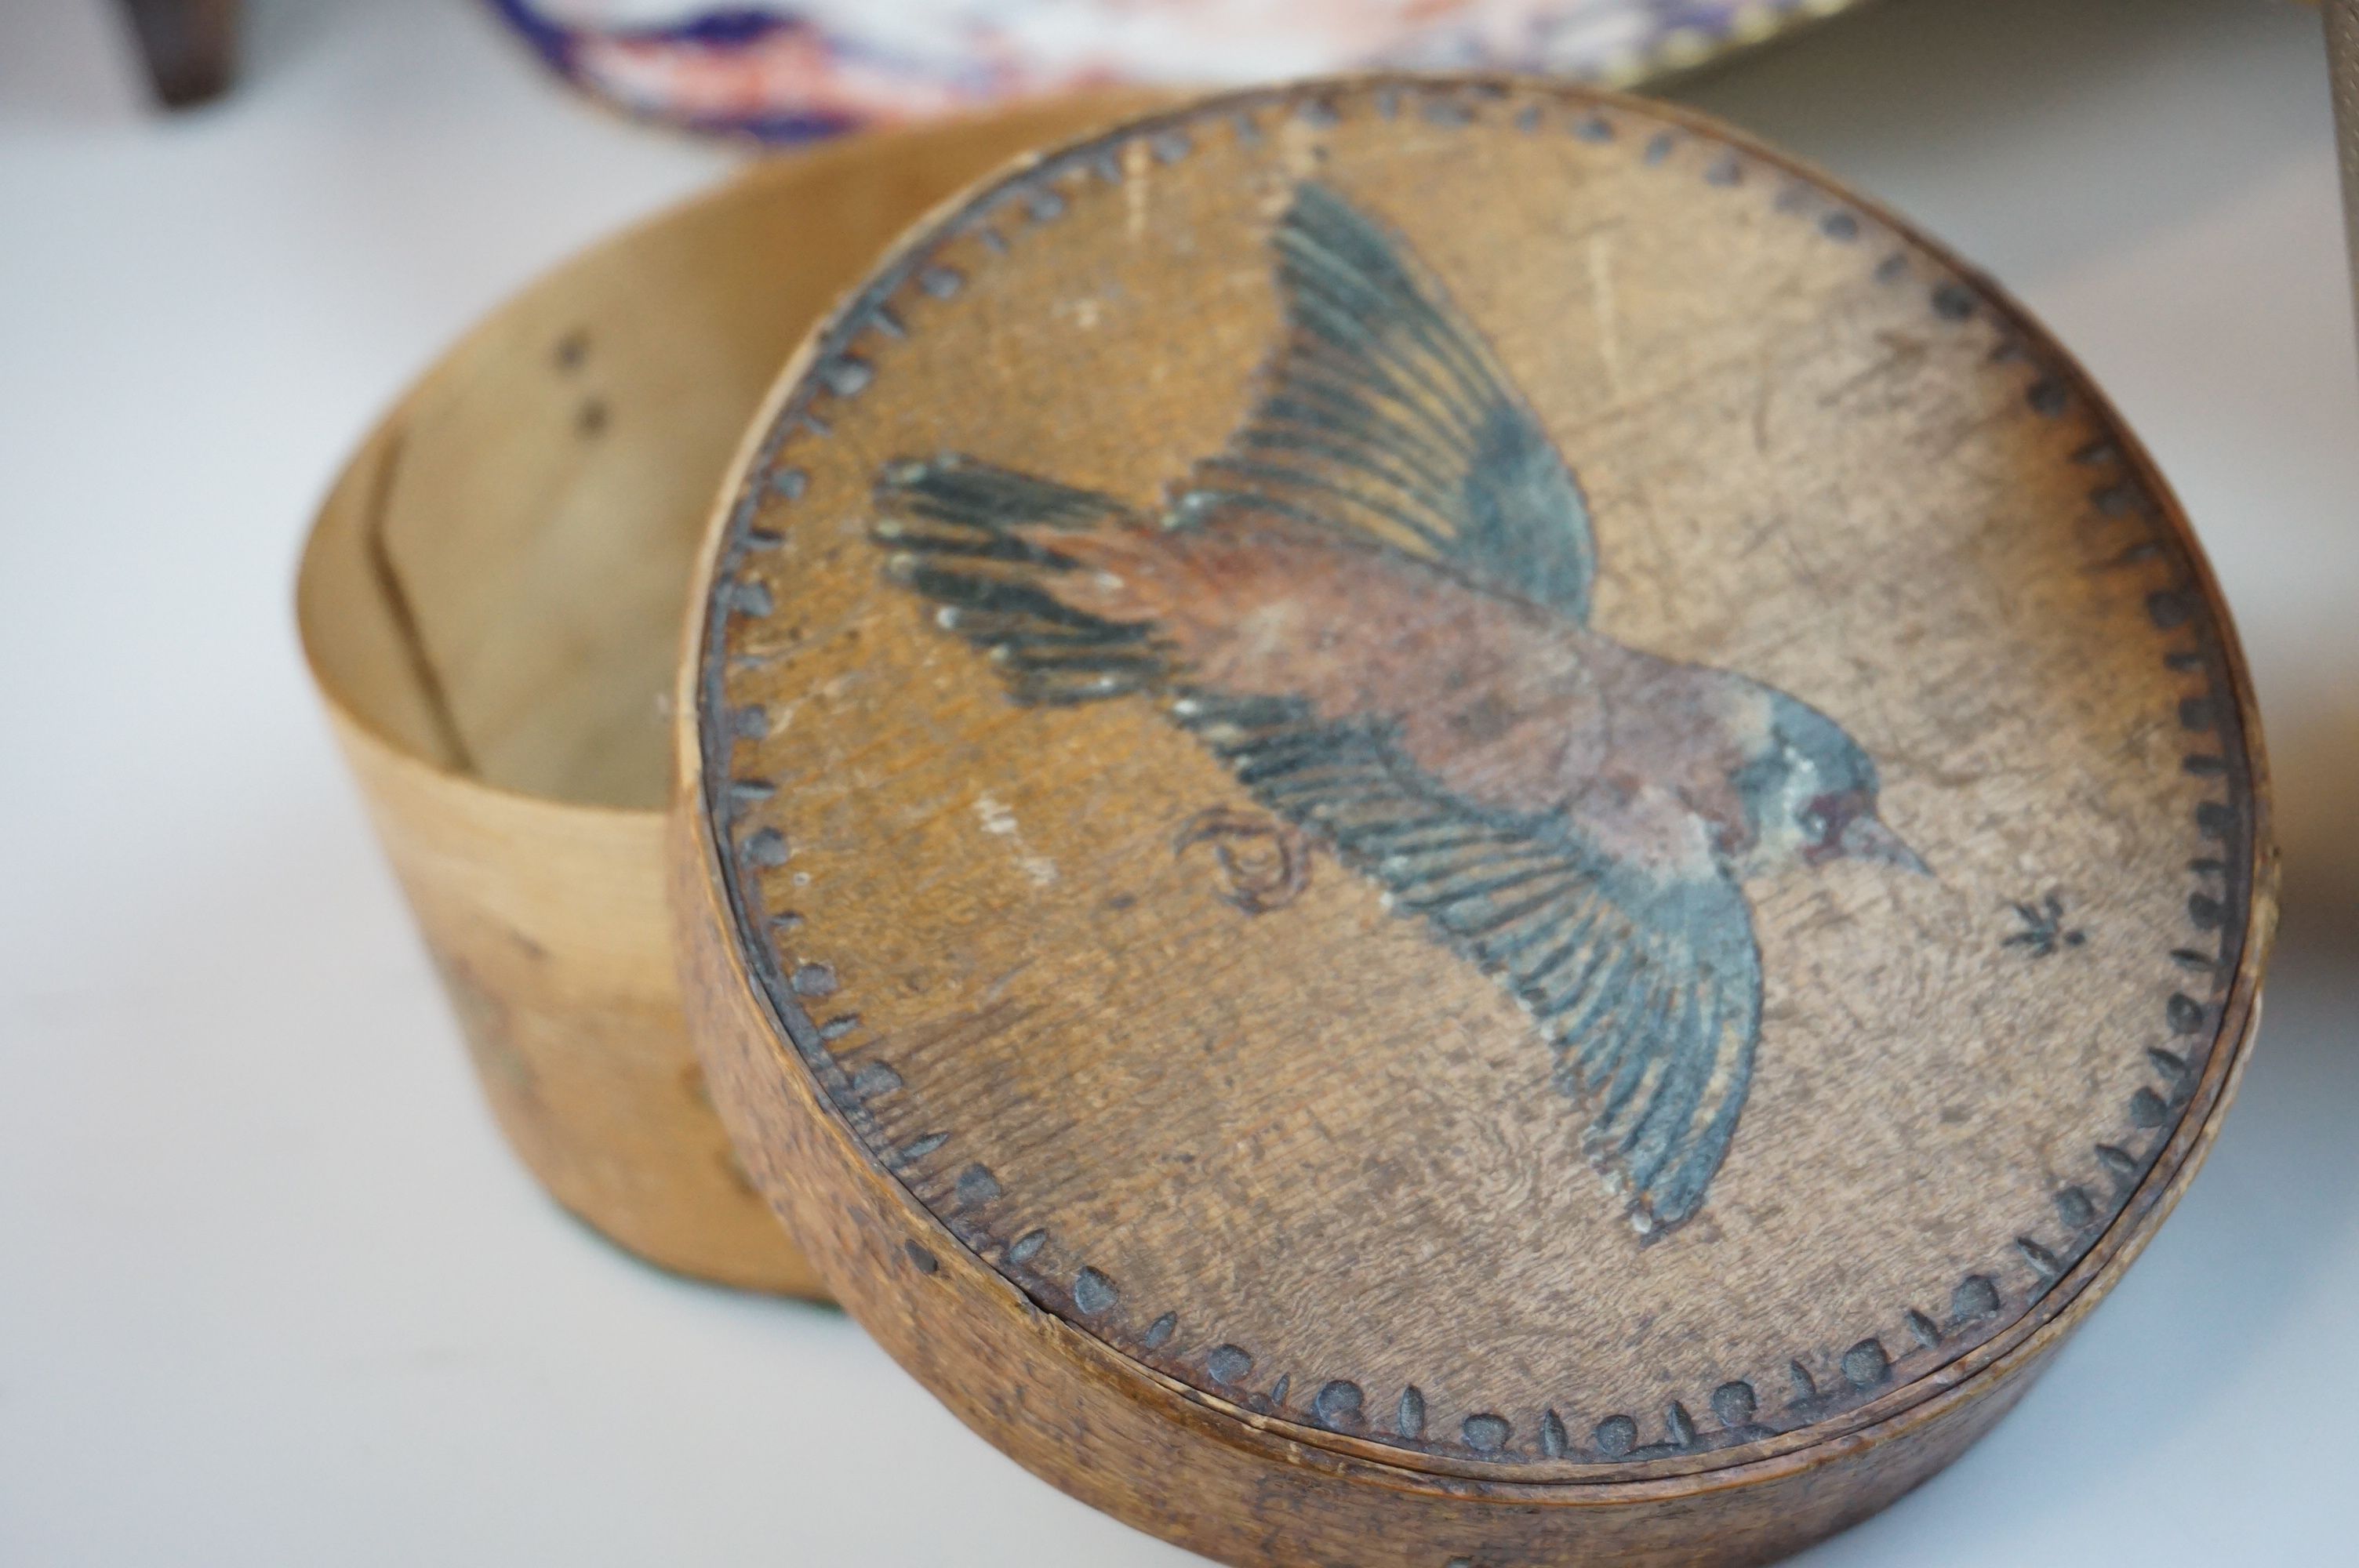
[(991, 240), (2120, 1162), (1806, 1387), (1952, 301), (941, 282), (1865, 1365), (1616, 1436), (767, 847), (1485, 1433), (1735, 1404), (836, 1028), (2115, 500), (2208, 866), (926, 1262), (1975, 1297), (1796, 198), (875, 1078), (1892, 268), (2204, 766), (763, 539), (1228, 1365), (1724, 170), (2038, 1257), (2188, 959), (1594, 128), (751, 596), (2168, 608), (1316, 112), (573, 349), (1248, 134), (814, 980), (1388, 102), (1680, 1424), (1093, 1293), (1554, 1443), (1027, 1246), (2184, 1013), (921, 1148), (848, 376), (1658, 146), (1529, 119), (2171, 1065), (2184, 659), (749, 723), (750, 791), (2213, 820), (976, 1186), (1045, 204), (591, 419), (1337, 1405), (2148, 1109), (786, 921), (1408, 1416), (1278, 1391), (1170, 147), (1927, 1332), (2047, 397), (2206, 911), (2075, 1208), (2195, 713), (2097, 453), (789, 484), (1159, 1332), (1841, 226), (1448, 112), (882, 318)]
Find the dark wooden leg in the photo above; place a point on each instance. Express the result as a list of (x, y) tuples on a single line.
[(2342, 57), (191, 47)]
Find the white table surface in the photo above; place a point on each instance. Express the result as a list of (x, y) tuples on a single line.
[(271, 1289)]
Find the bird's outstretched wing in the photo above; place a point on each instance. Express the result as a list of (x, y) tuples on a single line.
[(1646, 985), (1643, 979), (1384, 414)]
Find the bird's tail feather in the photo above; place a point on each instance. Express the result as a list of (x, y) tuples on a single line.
[(966, 535)]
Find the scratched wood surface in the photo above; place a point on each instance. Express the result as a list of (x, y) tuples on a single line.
[(491, 602), (1458, 793)]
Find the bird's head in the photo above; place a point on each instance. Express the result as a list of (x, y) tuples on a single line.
[(1810, 791)]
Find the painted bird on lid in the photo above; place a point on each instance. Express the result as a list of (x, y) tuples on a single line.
[(1373, 605)]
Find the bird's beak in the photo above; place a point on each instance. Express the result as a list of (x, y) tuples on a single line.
[(1866, 838)]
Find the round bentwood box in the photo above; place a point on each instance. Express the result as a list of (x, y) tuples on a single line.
[(1446, 822), (490, 602)]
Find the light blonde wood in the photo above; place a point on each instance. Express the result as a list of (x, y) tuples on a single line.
[(1120, 1079), (491, 604)]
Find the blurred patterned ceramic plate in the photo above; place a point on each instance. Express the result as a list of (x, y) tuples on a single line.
[(792, 70)]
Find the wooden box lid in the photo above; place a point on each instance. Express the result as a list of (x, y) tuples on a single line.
[(1451, 822)]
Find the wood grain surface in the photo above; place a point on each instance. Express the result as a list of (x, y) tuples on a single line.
[(1246, 1174), (491, 602)]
